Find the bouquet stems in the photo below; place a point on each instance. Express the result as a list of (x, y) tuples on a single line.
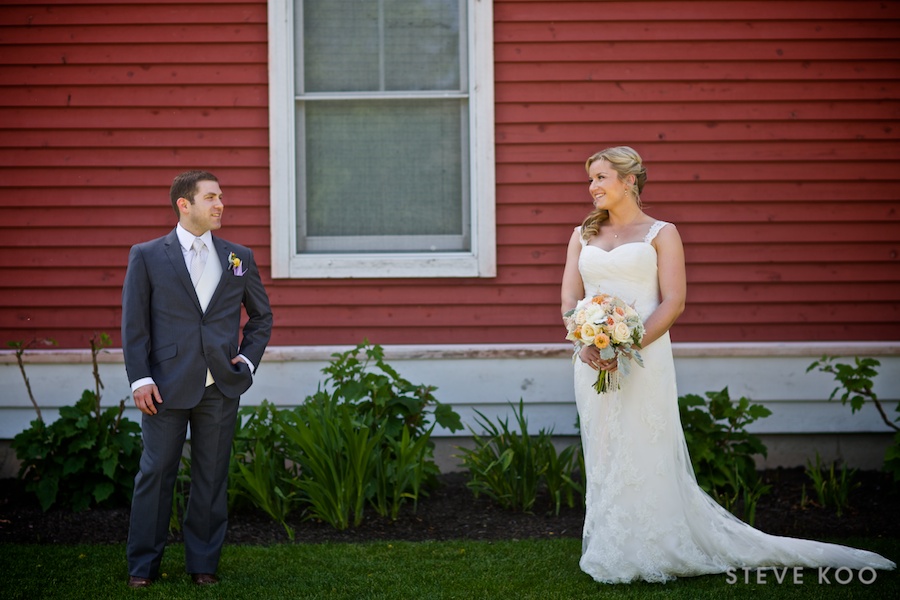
[(605, 381)]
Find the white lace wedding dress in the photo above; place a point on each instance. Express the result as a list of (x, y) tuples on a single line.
[(646, 517)]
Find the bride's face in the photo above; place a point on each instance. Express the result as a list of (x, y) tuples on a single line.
[(605, 187)]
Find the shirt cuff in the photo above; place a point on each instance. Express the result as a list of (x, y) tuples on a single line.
[(250, 364), (141, 382)]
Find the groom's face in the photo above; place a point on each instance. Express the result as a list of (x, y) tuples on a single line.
[(205, 212)]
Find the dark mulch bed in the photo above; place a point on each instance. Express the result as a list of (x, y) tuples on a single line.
[(451, 512)]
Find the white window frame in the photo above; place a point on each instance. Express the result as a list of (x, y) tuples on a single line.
[(480, 261)]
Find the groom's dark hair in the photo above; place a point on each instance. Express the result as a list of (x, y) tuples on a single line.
[(185, 186)]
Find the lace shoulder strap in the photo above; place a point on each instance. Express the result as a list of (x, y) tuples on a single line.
[(654, 229), (580, 237)]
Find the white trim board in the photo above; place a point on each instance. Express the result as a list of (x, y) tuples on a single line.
[(486, 377)]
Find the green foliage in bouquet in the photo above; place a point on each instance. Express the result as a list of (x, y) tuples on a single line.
[(857, 383), (513, 467), (86, 457), (722, 449)]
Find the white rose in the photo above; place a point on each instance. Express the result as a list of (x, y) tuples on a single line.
[(621, 333), (588, 331)]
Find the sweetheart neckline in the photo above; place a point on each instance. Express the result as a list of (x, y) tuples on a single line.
[(619, 246)]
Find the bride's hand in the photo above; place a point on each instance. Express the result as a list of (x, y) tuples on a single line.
[(590, 356)]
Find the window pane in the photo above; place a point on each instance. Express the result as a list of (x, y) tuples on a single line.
[(422, 45), (341, 45), (381, 45), (383, 168)]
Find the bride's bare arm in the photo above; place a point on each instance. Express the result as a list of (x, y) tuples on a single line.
[(672, 284), (572, 286), (573, 291)]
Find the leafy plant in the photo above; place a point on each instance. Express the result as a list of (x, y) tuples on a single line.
[(337, 456), (361, 377), (751, 494), (256, 483), (561, 476), (831, 489), (401, 472), (88, 456), (722, 449), (364, 441), (857, 383), (513, 467), (260, 474)]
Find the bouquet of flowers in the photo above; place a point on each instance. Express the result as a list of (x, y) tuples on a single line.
[(611, 325)]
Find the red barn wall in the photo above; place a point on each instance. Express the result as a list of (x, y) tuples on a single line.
[(769, 130)]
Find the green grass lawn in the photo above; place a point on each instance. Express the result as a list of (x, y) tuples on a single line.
[(538, 569)]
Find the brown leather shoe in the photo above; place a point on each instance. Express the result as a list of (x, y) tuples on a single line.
[(139, 582), (204, 578)]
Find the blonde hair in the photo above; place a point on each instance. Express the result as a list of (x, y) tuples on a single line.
[(624, 161)]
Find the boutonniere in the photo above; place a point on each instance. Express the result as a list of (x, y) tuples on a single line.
[(234, 263)]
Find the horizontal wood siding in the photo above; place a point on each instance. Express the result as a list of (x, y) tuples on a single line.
[(102, 104), (769, 130)]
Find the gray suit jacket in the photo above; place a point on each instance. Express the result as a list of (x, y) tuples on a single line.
[(167, 336)]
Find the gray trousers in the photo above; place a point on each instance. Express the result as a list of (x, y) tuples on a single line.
[(212, 424)]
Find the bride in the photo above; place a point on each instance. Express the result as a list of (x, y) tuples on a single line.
[(646, 517)]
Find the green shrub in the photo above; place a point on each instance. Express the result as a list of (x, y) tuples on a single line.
[(406, 415), (857, 383), (722, 450), (338, 456), (260, 474), (86, 457), (513, 467), (405, 466), (364, 441), (361, 377), (563, 476), (832, 490)]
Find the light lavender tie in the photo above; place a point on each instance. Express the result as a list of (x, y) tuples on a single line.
[(198, 260)]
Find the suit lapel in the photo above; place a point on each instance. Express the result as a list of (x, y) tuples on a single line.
[(176, 257)]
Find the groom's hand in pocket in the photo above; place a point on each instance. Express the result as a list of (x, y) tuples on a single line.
[(239, 360)]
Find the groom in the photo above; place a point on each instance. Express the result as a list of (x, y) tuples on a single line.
[(188, 363)]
